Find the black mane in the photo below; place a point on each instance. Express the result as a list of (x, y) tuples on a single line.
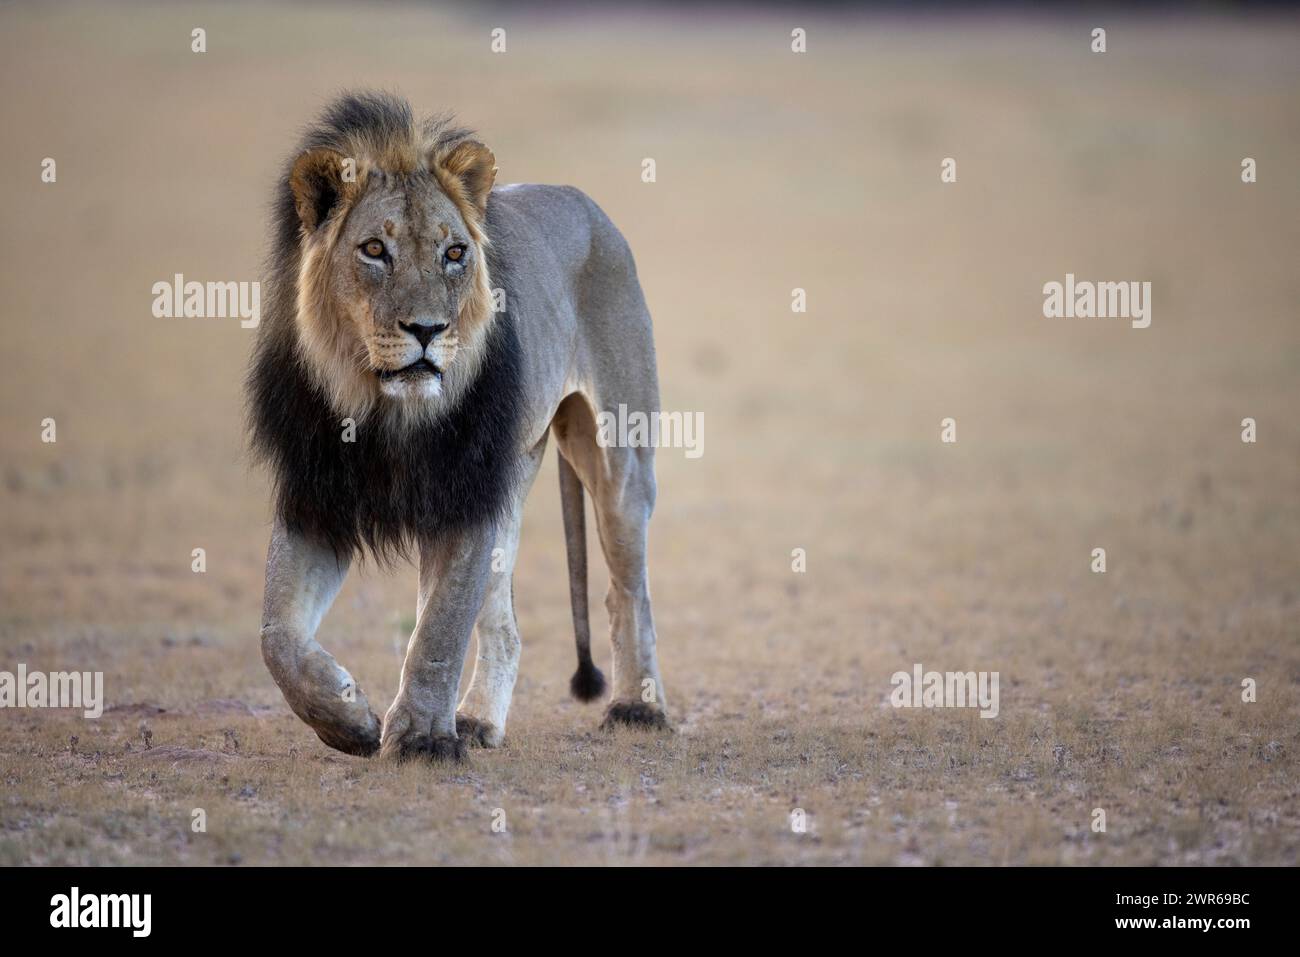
[(394, 487)]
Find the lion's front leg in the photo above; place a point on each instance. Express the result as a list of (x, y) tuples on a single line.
[(302, 578), (453, 577), (481, 717)]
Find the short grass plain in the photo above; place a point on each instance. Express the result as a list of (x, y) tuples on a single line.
[(1119, 691)]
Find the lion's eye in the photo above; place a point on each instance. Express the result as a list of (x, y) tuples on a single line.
[(373, 248), (454, 253)]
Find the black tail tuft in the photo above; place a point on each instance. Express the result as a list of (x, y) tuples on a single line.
[(588, 683)]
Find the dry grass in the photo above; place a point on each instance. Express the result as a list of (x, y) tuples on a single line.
[(1119, 691)]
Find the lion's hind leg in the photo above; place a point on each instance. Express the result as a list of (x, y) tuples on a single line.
[(621, 482)]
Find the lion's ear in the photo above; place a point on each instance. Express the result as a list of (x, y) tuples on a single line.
[(472, 165), (320, 181)]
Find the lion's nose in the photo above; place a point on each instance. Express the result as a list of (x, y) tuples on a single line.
[(423, 333)]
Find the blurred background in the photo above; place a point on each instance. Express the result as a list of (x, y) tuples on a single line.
[(775, 171)]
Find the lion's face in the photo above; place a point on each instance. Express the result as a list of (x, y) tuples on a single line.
[(399, 271), (393, 290)]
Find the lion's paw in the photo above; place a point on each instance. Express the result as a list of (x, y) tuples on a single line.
[(477, 733), (403, 742), (351, 737), (424, 747), (445, 747), (635, 714)]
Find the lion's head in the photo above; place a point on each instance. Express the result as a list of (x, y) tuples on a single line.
[(384, 390), (393, 291)]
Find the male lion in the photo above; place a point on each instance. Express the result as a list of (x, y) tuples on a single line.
[(424, 333)]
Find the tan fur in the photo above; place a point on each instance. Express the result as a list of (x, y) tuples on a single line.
[(343, 362)]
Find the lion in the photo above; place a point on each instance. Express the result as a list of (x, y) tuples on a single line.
[(425, 332)]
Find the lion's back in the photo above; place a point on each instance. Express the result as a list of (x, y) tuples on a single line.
[(563, 251)]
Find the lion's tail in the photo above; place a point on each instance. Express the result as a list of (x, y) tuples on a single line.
[(588, 683)]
